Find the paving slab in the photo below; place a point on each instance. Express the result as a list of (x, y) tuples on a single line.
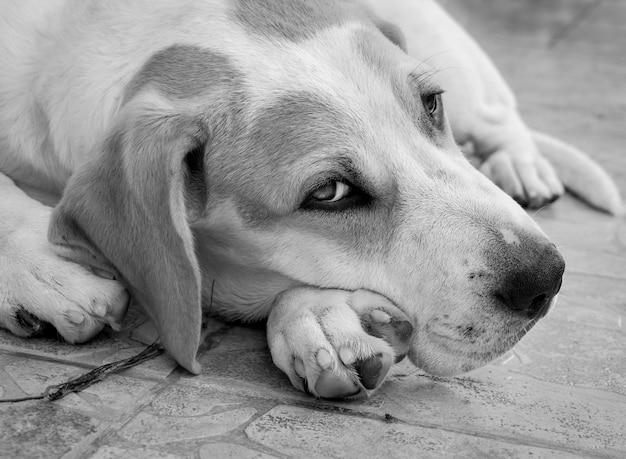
[(300, 432)]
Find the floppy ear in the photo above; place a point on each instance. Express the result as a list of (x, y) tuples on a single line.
[(128, 212)]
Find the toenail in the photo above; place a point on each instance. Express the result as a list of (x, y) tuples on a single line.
[(100, 310), (76, 317), (323, 359), (380, 316), (29, 322), (298, 366), (347, 355), (104, 274)]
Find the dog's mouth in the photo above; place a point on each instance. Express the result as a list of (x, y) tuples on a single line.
[(445, 349)]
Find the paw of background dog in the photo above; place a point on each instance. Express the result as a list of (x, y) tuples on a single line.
[(528, 178), (336, 343), (37, 288)]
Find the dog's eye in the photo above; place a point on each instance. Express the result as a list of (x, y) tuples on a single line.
[(334, 195), (432, 103), (332, 192), (433, 106)]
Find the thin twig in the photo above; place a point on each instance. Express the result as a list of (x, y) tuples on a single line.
[(82, 382)]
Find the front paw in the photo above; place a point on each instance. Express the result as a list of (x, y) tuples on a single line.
[(336, 343), (527, 177), (38, 288)]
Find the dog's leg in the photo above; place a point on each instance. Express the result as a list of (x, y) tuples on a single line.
[(336, 343), (38, 287)]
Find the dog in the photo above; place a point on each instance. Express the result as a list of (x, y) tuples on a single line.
[(290, 160)]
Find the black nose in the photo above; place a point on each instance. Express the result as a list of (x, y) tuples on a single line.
[(529, 287)]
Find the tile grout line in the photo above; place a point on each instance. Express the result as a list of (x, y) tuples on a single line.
[(83, 449)]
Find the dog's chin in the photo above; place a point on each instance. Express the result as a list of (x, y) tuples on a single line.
[(440, 358)]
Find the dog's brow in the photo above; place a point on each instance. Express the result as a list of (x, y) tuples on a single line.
[(371, 50), (293, 20), (183, 72), (298, 122), (420, 81), (296, 135)]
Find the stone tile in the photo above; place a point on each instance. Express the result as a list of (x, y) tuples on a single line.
[(33, 376), (575, 354), (149, 429), (499, 403), (185, 415), (242, 355), (596, 264), (599, 295), (113, 452), (602, 233), (40, 429), (229, 450), (145, 333), (105, 400), (301, 432), (581, 342)]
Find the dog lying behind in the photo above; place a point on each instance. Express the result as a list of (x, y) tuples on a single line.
[(295, 155)]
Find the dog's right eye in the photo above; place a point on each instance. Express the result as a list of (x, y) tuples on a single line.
[(332, 192), (334, 195)]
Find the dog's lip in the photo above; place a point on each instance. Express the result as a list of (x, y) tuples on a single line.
[(458, 360)]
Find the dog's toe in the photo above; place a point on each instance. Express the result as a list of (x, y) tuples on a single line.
[(372, 370), (526, 176), (396, 332), (332, 385)]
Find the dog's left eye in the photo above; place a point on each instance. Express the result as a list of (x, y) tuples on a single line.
[(333, 195)]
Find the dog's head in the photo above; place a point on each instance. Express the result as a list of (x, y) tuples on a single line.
[(304, 147)]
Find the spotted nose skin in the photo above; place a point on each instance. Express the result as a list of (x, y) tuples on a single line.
[(528, 274)]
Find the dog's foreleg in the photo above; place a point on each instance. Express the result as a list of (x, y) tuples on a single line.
[(38, 287)]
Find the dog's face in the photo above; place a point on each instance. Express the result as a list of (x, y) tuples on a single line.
[(353, 181), (325, 160)]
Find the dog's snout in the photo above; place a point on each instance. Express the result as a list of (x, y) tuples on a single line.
[(530, 286)]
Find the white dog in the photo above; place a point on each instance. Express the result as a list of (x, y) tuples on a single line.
[(294, 154)]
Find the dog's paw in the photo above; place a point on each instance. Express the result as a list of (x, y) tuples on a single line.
[(528, 178), (336, 343), (37, 288)]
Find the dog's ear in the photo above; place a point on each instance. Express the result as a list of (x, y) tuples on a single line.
[(392, 32), (129, 212)]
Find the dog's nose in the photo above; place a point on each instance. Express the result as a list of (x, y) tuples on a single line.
[(530, 286)]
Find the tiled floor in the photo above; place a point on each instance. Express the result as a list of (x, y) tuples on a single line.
[(560, 393)]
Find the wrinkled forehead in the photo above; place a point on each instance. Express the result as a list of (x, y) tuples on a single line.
[(294, 20), (291, 42)]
